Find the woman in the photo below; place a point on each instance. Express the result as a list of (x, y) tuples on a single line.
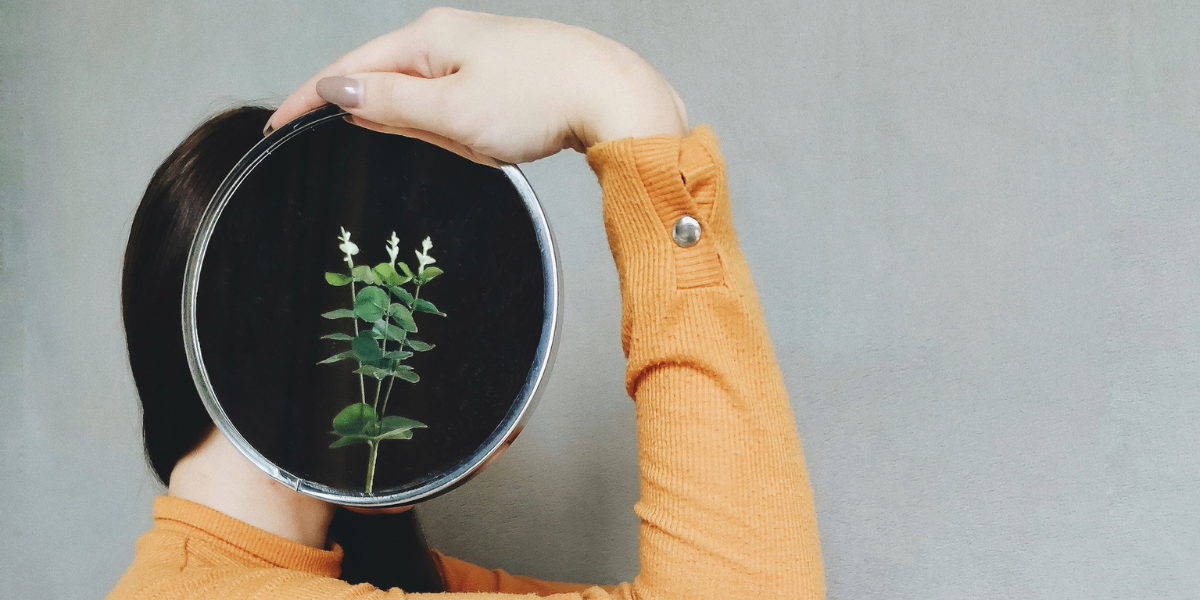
[(726, 505)]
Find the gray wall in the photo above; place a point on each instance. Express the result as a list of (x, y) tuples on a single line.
[(974, 227)]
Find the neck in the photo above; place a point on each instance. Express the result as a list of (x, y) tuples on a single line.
[(216, 475)]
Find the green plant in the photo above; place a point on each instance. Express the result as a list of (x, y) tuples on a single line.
[(386, 321)]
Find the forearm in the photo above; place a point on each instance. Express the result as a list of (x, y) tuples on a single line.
[(726, 505)]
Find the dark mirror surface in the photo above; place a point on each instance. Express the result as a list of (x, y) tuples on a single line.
[(263, 289)]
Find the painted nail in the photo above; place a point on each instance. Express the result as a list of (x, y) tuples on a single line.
[(342, 91)]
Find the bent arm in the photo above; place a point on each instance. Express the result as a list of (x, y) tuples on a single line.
[(726, 507)]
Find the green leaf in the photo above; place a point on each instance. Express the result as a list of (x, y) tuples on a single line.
[(397, 428), (397, 355), (396, 434), (402, 294), (405, 321), (337, 357), (365, 348), (418, 345), (388, 275), (406, 373), (426, 307), (341, 313), (350, 439), (338, 279), (363, 273), (406, 324), (357, 419), (370, 303), (393, 423), (345, 337), (372, 371), (428, 274), (383, 329), (391, 332), (404, 269), (399, 310), (382, 363)]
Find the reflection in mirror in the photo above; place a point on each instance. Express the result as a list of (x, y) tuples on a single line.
[(426, 283)]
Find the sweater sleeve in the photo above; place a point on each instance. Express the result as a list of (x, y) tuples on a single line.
[(726, 506)]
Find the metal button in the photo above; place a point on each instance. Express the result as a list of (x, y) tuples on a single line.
[(686, 231)]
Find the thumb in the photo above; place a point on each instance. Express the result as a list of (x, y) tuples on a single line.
[(395, 100)]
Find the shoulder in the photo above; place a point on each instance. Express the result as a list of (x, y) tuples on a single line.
[(195, 552)]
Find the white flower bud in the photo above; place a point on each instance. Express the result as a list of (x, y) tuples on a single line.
[(347, 247), (423, 257), (393, 248)]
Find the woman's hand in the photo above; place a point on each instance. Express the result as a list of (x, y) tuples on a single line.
[(491, 87)]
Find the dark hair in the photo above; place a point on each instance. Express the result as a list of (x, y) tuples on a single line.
[(384, 550)]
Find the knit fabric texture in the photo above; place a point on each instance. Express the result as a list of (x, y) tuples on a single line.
[(726, 507)]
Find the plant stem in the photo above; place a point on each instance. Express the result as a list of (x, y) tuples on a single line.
[(388, 393), (362, 386), (375, 405), (416, 294), (379, 382), (371, 465)]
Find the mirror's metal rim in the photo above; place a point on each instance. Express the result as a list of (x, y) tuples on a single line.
[(499, 439)]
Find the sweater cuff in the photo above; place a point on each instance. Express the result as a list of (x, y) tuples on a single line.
[(670, 177), (649, 184)]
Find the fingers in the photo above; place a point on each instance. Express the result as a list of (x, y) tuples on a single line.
[(421, 49), (432, 138), (300, 102), (400, 101)]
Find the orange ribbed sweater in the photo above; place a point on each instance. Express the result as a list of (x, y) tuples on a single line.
[(726, 507)]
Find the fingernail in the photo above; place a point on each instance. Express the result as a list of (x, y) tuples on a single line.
[(267, 130), (342, 91)]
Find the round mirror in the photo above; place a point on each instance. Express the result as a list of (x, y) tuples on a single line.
[(369, 318)]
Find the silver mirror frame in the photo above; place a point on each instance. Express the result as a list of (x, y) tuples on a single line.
[(500, 438)]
